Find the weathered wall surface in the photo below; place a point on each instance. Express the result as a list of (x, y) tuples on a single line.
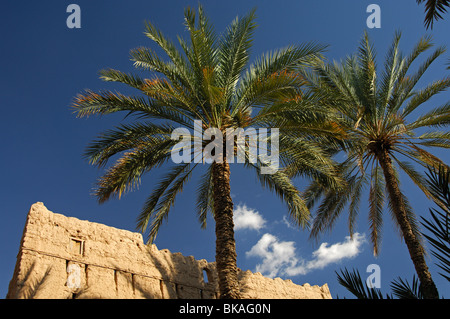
[(64, 257)]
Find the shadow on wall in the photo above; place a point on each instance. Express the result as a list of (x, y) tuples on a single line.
[(168, 281), (172, 276), (31, 284), (178, 277)]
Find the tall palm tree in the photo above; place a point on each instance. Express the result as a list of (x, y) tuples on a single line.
[(376, 112), (209, 79)]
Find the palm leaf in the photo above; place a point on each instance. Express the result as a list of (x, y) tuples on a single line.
[(125, 137), (234, 53), (181, 67), (425, 94), (438, 184), (102, 103), (435, 139), (376, 203), (271, 75), (434, 10), (126, 173), (157, 206), (132, 80), (283, 186), (439, 238), (393, 66), (439, 223), (366, 86), (353, 283), (406, 83), (403, 290), (205, 198), (437, 117)]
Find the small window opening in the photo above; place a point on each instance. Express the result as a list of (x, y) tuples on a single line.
[(205, 276), (76, 246), (116, 280)]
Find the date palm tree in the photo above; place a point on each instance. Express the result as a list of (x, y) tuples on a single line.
[(208, 78), (382, 135)]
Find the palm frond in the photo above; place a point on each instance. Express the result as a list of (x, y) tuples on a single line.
[(126, 173), (393, 65), (180, 65), (366, 86), (302, 157), (413, 174), (439, 223), (403, 290), (434, 139), (205, 198), (438, 184), (376, 203), (333, 201), (272, 75), (406, 83), (283, 186), (439, 238), (158, 204), (353, 283), (203, 38), (148, 60), (425, 94), (234, 53), (422, 156), (434, 10), (107, 102), (326, 215), (112, 75), (437, 117), (125, 137)]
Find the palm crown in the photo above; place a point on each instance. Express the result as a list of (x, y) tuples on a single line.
[(209, 80)]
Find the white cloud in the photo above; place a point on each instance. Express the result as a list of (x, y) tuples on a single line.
[(279, 258), (327, 255), (247, 218), (288, 223), (276, 255)]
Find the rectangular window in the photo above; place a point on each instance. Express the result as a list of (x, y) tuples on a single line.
[(76, 246)]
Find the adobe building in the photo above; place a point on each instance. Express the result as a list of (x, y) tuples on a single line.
[(63, 258)]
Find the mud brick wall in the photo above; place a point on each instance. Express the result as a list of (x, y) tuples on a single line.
[(64, 257)]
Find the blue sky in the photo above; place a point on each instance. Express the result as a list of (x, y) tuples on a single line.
[(44, 64)]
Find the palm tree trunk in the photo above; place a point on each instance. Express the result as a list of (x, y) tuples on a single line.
[(225, 244), (415, 249)]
